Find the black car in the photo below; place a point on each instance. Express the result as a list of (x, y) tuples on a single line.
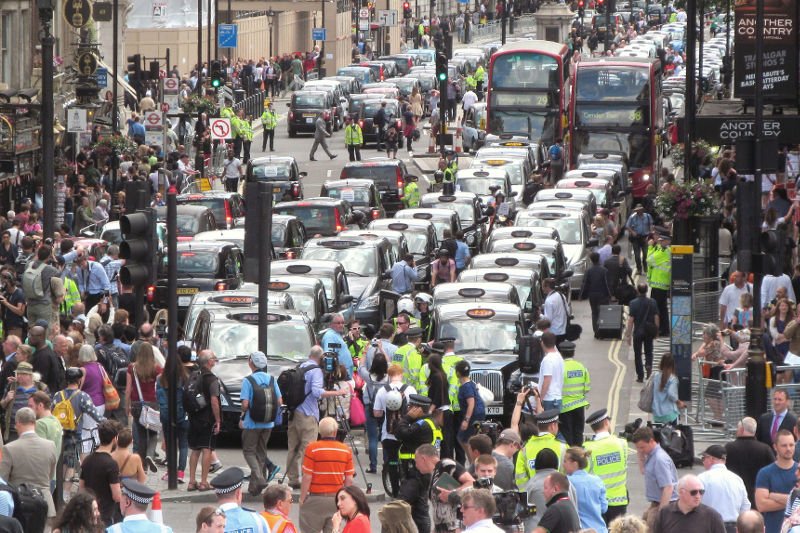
[(228, 207), (403, 62), (361, 193), (304, 109), (389, 176), (357, 101), (288, 236), (470, 211), (421, 241), (202, 266), (281, 172), (322, 216), (192, 219), (366, 117)]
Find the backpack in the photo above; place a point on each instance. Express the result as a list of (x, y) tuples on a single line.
[(30, 507), (555, 153), (264, 405), (64, 411), (114, 359), (194, 400), (393, 417), (292, 383), (32, 283)]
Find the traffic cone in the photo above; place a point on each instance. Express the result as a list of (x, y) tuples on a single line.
[(431, 143), (457, 144), (154, 514)]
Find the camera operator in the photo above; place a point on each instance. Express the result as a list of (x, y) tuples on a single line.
[(333, 341), (12, 301), (485, 473), (527, 405), (445, 502), (382, 344), (478, 508)]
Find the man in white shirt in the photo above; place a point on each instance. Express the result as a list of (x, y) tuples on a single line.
[(391, 446), (468, 100), (555, 309), (770, 285), (551, 373), (477, 508), (233, 171), (729, 299), (725, 491)]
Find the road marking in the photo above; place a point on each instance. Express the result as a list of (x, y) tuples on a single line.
[(617, 380), (329, 173)]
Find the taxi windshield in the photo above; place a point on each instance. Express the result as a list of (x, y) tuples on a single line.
[(353, 195), (358, 260), (278, 234), (480, 186), (188, 225), (465, 211), (480, 336), (315, 219), (569, 229), (417, 242), (514, 168), (287, 339), (195, 264), (304, 302), (271, 172)]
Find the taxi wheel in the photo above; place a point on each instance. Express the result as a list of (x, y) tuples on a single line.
[(292, 134)]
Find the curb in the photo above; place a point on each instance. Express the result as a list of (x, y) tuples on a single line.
[(181, 496)]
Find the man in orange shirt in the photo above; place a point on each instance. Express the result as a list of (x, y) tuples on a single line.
[(277, 504), (327, 467)]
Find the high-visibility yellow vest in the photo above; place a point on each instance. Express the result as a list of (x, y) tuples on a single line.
[(609, 462), (71, 297), (411, 194), (408, 356), (269, 120), (436, 441), (449, 175), (245, 129), (576, 385), (452, 381), (353, 135), (227, 112), (526, 460), (659, 267)]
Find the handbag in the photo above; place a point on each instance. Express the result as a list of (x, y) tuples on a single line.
[(149, 418), (573, 331), (646, 396), (110, 394), (358, 415)]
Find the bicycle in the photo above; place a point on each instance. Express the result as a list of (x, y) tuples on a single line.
[(72, 447)]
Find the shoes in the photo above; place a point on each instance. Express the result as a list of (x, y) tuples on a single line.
[(334, 156), (272, 471), (161, 462), (639, 380), (215, 467), (372, 470), (165, 477), (149, 464), (311, 159)]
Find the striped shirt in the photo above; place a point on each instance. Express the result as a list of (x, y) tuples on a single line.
[(328, 462)]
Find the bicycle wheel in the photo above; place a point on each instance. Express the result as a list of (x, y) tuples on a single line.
[(387, 483)]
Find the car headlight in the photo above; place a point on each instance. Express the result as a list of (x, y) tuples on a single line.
[(369, 301), (578, 267), (470, 239), (646, 177)]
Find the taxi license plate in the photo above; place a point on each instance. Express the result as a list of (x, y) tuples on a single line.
[(309, 120), (276, 189), (187, 290), (494, 410), (184, 301)]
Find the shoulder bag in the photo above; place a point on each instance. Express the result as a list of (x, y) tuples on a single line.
[(650, 328), (573, 331), (149, 418), (110, 394), (358, 415), (646, 395)]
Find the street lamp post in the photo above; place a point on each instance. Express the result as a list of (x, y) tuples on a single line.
[(47, 166), (270, 17)]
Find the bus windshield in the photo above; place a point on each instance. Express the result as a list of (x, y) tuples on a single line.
[(531, 124), (618, 83), (636, 145), (525, 70)]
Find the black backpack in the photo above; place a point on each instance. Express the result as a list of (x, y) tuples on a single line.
[(393, 417), (292, 383), (30, 507), (194, 400), (264, 405), (114, 359)]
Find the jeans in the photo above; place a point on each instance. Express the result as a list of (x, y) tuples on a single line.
[(639, 246), (182, 434), (551, 404), (144, 440), (638, 342), (372, 437)]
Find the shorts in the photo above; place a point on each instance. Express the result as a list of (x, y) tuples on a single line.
[(201, 435)]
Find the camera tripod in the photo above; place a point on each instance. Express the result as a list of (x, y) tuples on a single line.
[(348, 434)]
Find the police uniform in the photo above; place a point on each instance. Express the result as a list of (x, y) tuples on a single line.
[(525, 467), (353, 140), (449, 179), (411, 194), (237, 518), (411, 360), (246, 134), (574, 390), (609, 462), (450, 420), (269, 120), (659, 277), (142, 495)]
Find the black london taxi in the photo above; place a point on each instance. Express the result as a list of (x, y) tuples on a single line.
[(389, 176), (227, 207), (305, 107), (362, 194), (474, 291), (202, 266), (307, 294), (332, 276), (192, 219), (422, 243), (235, 235), (470, 211), (603, 190), (240, 299), (233, 335), (325, 217), (396, 239), (527, 283), (514, 232), (281, 172), (367, 263), (532, 262), (366, 117), (443, 219), (288, 236), (487, 335)]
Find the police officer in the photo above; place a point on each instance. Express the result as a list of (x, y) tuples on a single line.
[(227, 111), (228, 488), (423, 312), (449, 178), (573, 400), (409, 356), (133, 505), (479, 75), (245, 134), (269, 121), (609, 461), (236, 125), (450, 425), (547, 423), (353, 139), (411, 192), (659, 277)]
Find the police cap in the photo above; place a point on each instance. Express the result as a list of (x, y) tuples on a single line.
[(228, 480), (137, 492), (547, 417), (597, 417)]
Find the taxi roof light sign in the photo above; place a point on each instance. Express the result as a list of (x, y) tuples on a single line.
[(234, 300), (506, 261), (525, 246), (480, 313), (496, 276), (278, 286), (298, 269), (398, 226), (471, 292)]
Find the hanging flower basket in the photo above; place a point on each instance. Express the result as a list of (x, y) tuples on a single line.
[(106, 146), (686, 200), (199, 104)]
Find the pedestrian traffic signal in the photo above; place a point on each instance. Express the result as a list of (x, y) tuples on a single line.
[(407, 10), (441, 66), (139, 248), (134, 67), (216, 74)]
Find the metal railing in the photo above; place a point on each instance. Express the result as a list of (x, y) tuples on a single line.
[(493, 28), (705, 301), (720, 403)]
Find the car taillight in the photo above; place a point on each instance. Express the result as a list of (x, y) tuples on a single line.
[(151, 293), (228, 215), (221, 286), (296, 190), (339, 225), (291, 115), (376, 214), (400, 183)]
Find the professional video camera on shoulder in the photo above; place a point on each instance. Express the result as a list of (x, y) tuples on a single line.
[(511, 507), (330, 359)]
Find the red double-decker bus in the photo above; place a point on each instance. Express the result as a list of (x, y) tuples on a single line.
[(529, 91), (617, 108)]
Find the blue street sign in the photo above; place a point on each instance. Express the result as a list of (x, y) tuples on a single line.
[(228, 35), (102, 77), (463, 1), (319, 34)]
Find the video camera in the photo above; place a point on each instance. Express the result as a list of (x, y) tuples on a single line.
[(330, 360), (511, 507), (630, 429), (492, 429)]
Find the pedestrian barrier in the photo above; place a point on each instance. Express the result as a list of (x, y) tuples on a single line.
[(720, 402), (705, 302), (253, 105), (493, 28)]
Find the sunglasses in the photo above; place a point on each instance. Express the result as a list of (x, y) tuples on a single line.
[(695, 492), (216, 512)]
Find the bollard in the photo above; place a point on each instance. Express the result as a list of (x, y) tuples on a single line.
[(756, 384)]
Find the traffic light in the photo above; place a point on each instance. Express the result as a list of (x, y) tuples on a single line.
[(154, 74), (134, 67), (406, 10), (139, 248), (441, 67), (581, 11), (773, 245), (216, 74)]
